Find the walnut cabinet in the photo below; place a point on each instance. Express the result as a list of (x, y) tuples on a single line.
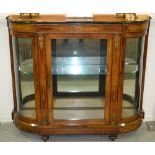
[(78, 75)]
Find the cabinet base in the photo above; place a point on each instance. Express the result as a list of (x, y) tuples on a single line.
[(73, 127)]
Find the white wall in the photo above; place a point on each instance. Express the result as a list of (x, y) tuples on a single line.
[(6, 97), (149, 91)]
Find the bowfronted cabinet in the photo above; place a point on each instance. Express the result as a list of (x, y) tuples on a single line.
[(78, 75)]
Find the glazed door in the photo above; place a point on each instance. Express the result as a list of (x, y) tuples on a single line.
[(79, 76), (133, 60), (25, 74)]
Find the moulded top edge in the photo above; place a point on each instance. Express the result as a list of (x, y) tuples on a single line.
[(60, 18)]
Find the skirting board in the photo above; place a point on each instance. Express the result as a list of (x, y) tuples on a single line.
[(149, 118), (151, 125), (5, 119)]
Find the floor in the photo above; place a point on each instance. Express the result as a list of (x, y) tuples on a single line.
[(9, 133)]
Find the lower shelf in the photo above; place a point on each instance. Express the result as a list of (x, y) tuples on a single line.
[(77, 108)]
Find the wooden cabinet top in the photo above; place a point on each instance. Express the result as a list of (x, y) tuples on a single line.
[(97, 18)]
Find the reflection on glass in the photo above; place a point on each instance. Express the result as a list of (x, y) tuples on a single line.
[(131, 76), (78, 68), (24, 76)]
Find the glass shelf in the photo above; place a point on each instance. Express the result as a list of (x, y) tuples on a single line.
[(26, 67), (70, 66), (79, 60), (130, 66), (78, 66)]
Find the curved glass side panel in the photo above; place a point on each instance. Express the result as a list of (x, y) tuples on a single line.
[(23, 66), (131, 88), (79, 74)]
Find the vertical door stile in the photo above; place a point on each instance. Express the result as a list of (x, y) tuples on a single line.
[(108, 80), (49, 78), (43, 78), (115, 77), (121, 79), (36, 78)]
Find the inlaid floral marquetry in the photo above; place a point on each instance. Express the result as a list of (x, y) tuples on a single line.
[(116, 40), (41, 41)]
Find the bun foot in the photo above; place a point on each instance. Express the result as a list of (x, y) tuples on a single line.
[(112, 137), (45, 138)]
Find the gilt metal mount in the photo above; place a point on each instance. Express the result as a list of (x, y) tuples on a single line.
[(41, 41), (29, 15), (116, 41), (127, 16)]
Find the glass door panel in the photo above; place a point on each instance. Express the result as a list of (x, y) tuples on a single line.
[(22, 48), (78, 69), (131, 89)]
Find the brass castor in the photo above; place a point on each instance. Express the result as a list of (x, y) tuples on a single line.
[(112, 137), (45, 138)]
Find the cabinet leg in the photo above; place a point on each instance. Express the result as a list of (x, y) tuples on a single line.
[(112, 137), (45, 138)]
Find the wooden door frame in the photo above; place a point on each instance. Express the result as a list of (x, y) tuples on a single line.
[(141, 75), (36, 75), (49, 74)]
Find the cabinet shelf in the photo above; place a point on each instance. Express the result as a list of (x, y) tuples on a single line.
[(78, 66)]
